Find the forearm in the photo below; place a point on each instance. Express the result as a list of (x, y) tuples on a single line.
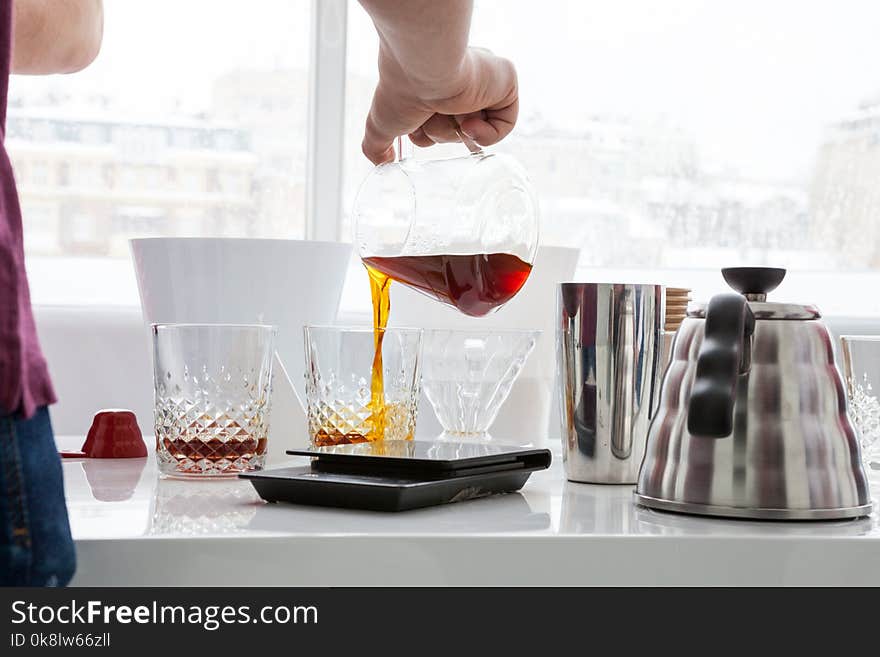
[(423, 43), (56, 36)]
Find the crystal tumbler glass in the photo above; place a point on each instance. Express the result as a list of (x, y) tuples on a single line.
[(861, 364), (344, 402), (212, 397), (469, 374)]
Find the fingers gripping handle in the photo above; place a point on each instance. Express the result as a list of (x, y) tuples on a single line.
[(729, 327)]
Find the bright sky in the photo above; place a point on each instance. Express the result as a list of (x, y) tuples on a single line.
[(753, 82)]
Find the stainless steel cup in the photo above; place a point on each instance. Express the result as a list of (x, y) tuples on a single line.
[(609, 362)]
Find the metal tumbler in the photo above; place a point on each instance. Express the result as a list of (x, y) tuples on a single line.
[(609, 353)]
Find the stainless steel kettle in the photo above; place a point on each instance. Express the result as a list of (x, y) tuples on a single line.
[(752, 421)]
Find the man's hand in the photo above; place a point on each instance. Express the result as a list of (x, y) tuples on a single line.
[(429, 79), (483, 99)]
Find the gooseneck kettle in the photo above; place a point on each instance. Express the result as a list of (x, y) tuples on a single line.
[(752, 420)]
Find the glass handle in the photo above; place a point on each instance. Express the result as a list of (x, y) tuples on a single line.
[(472, 146), (404, 148)]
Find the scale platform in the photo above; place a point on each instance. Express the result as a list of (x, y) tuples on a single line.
[(398, 475)]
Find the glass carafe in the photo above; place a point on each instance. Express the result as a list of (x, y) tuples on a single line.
[(463, 230)]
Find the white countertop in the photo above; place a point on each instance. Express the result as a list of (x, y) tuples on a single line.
[(132, 528)]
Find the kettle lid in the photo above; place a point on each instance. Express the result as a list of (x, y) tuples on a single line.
[(754, 283)]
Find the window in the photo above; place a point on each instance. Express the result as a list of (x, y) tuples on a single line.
[(668, 139), (191, 120), (665, 139)]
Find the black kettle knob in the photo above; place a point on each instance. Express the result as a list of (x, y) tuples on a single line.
[(754, 283), (723, 356)]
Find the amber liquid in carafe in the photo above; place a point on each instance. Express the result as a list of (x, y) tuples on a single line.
[(475, 284)]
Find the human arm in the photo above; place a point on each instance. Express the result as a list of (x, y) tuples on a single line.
[(427, 73), (55, 36)]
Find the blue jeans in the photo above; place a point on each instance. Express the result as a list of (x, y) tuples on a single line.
[(36, 548)]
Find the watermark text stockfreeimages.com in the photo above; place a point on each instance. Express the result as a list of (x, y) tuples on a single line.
[(210, 617)]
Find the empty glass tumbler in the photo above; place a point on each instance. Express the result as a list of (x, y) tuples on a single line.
[(345, 404), (213, 385)]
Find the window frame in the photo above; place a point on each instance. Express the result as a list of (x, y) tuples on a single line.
[(326, 120)]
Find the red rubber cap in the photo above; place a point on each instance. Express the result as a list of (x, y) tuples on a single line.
[(114, 435)]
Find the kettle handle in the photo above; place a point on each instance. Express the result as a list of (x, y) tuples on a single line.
[(724, 355)]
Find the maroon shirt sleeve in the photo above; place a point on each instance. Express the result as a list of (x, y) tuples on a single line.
[(24, 377)]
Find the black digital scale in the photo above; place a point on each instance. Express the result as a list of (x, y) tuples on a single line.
[(397, 475)]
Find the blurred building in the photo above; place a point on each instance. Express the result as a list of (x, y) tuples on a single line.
[(90, 179), (271, 107), (844, 194), (634, 194)]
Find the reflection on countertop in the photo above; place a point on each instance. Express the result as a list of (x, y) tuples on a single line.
[(112, 480), (510, 513), (125, 499), (609, 510), (223, 506)]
